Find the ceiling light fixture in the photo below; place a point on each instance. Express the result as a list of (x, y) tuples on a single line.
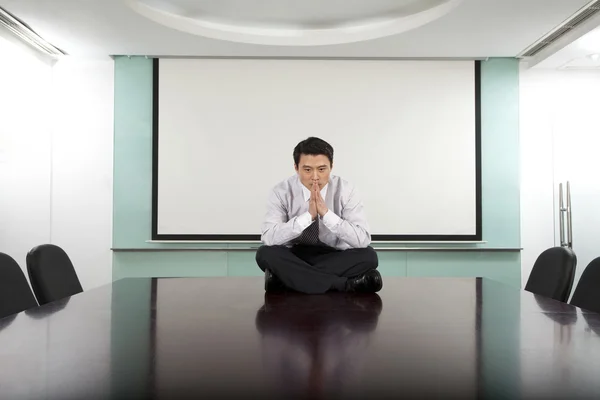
[(22, 31)]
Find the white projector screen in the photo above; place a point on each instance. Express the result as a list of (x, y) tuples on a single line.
[(405, 133)]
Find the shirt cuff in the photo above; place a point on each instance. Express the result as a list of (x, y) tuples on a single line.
[(304, 220), (331, 220)]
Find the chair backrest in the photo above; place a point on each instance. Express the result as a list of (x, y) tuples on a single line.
[(15, 294), (51, 273), (553, 273), (587, 292)]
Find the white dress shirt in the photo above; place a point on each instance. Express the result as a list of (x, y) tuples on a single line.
[(344, 226)]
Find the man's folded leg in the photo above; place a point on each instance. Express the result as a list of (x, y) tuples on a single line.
[(358, 265), (296, 273), (349, 263)]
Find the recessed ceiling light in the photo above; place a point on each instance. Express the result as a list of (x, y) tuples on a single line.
[(594, 57)]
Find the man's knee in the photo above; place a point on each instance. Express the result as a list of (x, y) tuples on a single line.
[(264, 254), (369, 257)]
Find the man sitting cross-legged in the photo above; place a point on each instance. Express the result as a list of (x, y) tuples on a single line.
[(315, 234)]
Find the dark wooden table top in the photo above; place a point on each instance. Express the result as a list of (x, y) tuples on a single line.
[(224, 338)]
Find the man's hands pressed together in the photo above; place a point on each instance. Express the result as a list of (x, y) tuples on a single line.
[(312, 204), (317, 204)]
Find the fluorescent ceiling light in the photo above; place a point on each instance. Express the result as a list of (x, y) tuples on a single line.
[(23, 32)]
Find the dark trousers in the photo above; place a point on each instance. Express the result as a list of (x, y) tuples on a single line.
[(315, 269)]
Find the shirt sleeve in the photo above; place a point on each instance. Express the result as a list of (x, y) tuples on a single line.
[(351, 226), (277, 229)]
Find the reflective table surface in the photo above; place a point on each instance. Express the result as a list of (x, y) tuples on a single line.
[(174, 338)]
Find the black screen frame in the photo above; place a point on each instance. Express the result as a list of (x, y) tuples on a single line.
[(256, 237)]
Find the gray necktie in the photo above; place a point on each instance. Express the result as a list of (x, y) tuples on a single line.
[(310, 235)]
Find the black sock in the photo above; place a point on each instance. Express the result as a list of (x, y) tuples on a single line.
[(339, 284)]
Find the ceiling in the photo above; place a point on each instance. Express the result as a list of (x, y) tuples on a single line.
[(581, 54), (293, 28)]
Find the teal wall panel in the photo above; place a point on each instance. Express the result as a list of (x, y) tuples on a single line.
[(242, 263), (500, 152), (132, 163), (502, 266), (169, 264), (392, 263), (133, 183)]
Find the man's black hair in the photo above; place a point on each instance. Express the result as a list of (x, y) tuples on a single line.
[(313, 146)]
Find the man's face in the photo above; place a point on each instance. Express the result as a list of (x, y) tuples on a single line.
[(313, 169)]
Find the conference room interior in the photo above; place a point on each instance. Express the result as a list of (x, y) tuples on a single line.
[(139, 140)]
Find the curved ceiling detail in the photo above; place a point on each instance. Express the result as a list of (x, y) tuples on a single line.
[(312, 23)]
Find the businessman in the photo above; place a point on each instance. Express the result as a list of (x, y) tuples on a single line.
[(315, 234)]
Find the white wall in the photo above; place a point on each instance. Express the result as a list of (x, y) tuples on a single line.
[(82, 147), (537, 178), (56, 132), (560, 140), (25, 147)]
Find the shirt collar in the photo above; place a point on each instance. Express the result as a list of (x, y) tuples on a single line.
[(306, 192)]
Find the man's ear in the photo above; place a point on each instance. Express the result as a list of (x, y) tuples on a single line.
[(296, 167)]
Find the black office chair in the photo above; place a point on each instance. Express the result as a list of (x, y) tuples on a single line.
[(51, 273), (587, 292), (15, 294), (553, 273)]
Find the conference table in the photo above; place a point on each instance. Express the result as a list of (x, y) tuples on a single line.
[(223, 337)]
